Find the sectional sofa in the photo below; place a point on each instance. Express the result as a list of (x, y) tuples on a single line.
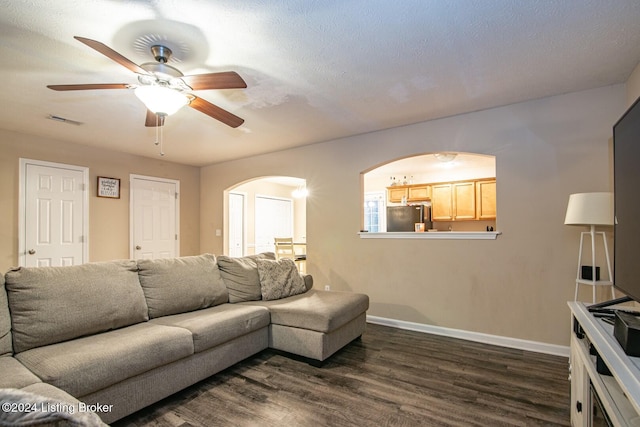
[(117, 336)]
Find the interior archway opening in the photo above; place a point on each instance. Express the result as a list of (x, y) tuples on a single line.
[(259, 210)]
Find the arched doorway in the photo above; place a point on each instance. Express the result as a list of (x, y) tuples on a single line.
[(261, 209)]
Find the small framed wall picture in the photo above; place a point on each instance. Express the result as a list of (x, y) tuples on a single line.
[(109, 187)]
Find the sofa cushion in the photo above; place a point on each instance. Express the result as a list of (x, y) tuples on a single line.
[(88, 364), (177, 285), (6, 347), (217, 325), (322, 311), (13, 374), (54, 304), (241, 276), (279, 279)]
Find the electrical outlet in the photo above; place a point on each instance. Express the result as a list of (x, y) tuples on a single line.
[(327, 287)]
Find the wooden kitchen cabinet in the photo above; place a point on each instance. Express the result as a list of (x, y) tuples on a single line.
[(453, 201), (464, 201), (486, 199), (419, 193), (411, 193), (441, 202), (397, 193)]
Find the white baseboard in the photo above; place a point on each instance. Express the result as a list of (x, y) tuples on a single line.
[(538, 347)]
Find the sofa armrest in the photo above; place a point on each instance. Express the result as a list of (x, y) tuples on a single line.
[(308, 281)]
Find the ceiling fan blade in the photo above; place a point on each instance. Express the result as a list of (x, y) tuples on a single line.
[(216, 112), (153, 120), (90, 86), (225, 80), (112, 54)]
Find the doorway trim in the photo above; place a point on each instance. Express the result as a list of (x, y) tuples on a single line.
[(231, 220), (22, 193)]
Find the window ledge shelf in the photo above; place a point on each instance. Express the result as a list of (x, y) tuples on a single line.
[(438, 235)]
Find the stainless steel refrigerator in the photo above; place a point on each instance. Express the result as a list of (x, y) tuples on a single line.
[(404, 218)]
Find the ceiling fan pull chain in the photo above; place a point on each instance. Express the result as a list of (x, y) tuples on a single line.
[(157, 126), (161, 140)]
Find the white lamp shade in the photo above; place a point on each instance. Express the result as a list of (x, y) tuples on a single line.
[(160, 99), (590, 209)]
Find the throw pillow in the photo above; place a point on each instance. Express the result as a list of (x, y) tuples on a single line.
[(241, 276), (279, 279)]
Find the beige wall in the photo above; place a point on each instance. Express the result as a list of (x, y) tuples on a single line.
[(515, 286), (109, 218), (633, 86)]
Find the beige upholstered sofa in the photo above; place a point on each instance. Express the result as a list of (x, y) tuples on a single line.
[(118, 336)]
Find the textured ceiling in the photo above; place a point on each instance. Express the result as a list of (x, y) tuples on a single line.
[(316, 70)]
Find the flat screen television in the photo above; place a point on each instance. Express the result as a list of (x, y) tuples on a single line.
[(626, 190)]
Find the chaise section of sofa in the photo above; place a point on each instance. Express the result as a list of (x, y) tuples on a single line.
[(317, 323), (306, 322)]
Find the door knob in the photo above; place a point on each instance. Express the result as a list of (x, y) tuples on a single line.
[(31, 251), (138, 247)]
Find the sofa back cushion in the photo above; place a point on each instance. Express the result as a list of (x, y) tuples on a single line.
[(5, 322), (178, 285), (241, 276), (54, 304)]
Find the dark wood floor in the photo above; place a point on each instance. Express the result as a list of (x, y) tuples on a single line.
[(389, 377)]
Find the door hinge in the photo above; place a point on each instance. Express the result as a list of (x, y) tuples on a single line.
[(176, 196), (81, 239), (176, 237)]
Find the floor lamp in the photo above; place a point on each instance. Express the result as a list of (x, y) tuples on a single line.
[(591, 209)]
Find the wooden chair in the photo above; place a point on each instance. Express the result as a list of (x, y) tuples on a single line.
[(285, 249)]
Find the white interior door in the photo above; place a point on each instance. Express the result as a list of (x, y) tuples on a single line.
[(236, 224), (273, 219), (155, 217), (54, 214)]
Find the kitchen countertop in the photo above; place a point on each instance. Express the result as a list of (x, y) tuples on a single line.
[(431, 235)]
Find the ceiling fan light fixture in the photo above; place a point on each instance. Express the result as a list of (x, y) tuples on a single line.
[(160, 99)]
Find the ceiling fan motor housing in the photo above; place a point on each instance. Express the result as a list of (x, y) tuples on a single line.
[(161, 53)]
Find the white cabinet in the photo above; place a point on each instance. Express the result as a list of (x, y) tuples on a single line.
[(618, 394), (579, 384)]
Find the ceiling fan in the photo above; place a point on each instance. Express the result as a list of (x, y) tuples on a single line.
[(163, 88)]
